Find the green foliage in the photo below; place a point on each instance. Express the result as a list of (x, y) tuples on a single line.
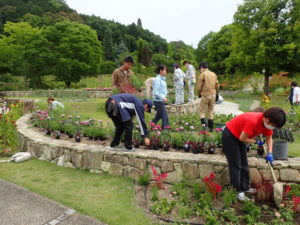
[(69, 128), (107, 67), (144, 53), (136, 82), (229, 197), (184, 211), (182, 193), (230, 215), (144, 180), (162, 207), (154, 194), (253, 212)]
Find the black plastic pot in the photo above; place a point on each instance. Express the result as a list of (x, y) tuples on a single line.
[(186, 147), (154, 147), (101, 138), (280, 150), (136, 145), (57, 134), (166, 148), (90, 138), (200, 150), (48, 132), (195, 151), (211, 150), (70, 135), (77, 138)]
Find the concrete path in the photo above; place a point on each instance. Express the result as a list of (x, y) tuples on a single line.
[(21, 207), (227, 108)]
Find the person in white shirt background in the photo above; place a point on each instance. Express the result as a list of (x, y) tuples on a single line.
[(191, 78), (296, 93), (178, 79), (53, 105)]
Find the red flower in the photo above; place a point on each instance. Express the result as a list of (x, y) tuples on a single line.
[(13, 122), (287, 189), (42, 118)]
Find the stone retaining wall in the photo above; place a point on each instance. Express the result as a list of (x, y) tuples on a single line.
[(99, 159), (58, 93), (184, 109)]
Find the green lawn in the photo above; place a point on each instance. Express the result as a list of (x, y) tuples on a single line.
[(107, 198)]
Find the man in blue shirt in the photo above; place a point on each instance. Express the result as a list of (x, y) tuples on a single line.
[(121, 108)]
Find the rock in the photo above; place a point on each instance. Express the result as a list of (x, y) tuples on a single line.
[(289, 175), (116, 159), (255, 176), (61, 161), (167, 166), (225, 177), (218, 169), (190, 171), (154, 162), (36, 148), (134, 173), (138, 163), (105, 166), (116, 169), (175, 176), (205, 170), (76, 159), (67, 156), (96, 171), (46, 154), (96, 160), (55, 153), (86, 164), (69, 165), (266, 174), (54, 161)]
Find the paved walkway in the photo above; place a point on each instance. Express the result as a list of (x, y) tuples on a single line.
[(21, 207), (227, 108)]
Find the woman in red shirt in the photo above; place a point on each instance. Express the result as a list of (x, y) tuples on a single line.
[(241, 130)]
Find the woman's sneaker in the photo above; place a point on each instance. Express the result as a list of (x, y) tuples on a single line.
[(251, 191), (242, 197), (128, 149)]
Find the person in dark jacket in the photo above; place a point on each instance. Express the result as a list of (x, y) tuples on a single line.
[(121, 108)]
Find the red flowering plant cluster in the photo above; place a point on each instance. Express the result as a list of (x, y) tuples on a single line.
[(8, 131), (293, 192), (39, 118), (158, 178), (212, 186)]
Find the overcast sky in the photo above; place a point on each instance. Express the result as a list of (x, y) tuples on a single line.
[(174, 20)]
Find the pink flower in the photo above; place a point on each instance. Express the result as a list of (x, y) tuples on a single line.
[(168, 127), (192, 127), (158, 133), (181, 128), (177, 129), (152, 124)]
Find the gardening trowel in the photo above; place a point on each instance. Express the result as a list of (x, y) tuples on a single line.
[(277, 187)]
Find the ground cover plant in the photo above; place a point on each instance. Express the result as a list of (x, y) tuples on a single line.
[(206, 202), (8, 131)]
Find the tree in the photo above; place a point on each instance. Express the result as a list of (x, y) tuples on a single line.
[(266, 28), (144, 54), (75, 51), (120, 49), (23, 51), (201, 52), (108, 45), (139, 22)]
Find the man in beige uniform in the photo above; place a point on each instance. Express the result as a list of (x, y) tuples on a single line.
[(121, 76), (207, 87)]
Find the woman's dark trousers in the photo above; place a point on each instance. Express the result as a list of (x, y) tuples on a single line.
[(236, 155)]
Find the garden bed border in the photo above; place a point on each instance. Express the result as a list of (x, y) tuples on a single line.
[(180, 165)]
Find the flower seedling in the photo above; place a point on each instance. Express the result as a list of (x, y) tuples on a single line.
[(158, 178), (213, 187)]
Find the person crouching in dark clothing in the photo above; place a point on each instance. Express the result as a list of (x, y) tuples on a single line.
[(121, 108)]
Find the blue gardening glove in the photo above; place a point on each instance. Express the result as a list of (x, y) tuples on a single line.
[(259, 143), (269, 157)]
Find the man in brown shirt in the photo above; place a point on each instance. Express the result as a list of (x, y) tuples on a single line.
[(207, 86), (121, 76)]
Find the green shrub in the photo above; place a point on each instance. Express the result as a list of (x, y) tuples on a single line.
[(154, 194), (229, 197), (107, 67), (162, 207), (184, 211), (144, 180)]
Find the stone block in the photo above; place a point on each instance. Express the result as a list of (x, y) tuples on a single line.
[(289, 175), (67, 155), (154, 162), (138, 163), (69, 165), (96, 160), (134, 173), (46, 154), (61, 161), (86, 163), (175, 176), (205, 170), (167, 166), (218, 169), (116, 169), (266, 174), (105, 166), (36, 148), (190, 171), (76, 159)]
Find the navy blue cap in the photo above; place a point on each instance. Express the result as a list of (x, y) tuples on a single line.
[(175, 65), (149, 103)]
